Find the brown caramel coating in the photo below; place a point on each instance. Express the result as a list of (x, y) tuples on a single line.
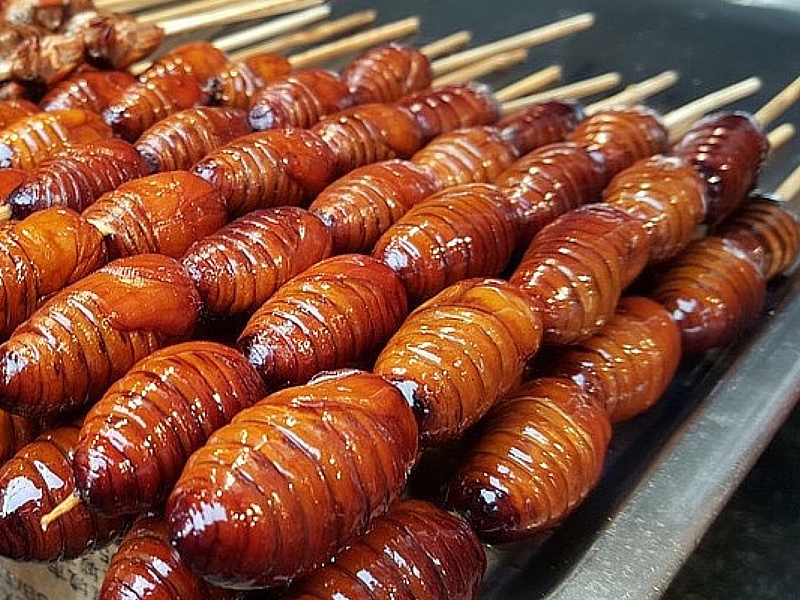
[(386, 73), (199, 60), (163, 213), (459, 353), (41, 255), (32, 140), (270, 168), (180, 140), (241, 266), (87, 336), (77, 176), (91, 90), (298, 100), (461, 232), (629, 363), (540, 124), (537, 457), (10, 180), (667, 196), (369, 133), (727, 150), (471, 155), (237, 83), (713, 291), (328, 317), (361, 206), (414, 551), (451, 107), (15, 433), (33, 483), (577, 267), (12, 111), (116, 41), (293, 480)]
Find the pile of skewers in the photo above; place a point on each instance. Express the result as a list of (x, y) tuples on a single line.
[(401, 245)]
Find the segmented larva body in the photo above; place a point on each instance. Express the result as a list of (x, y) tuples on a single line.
[(540, 124), (116, 41), (32, 484), (386, 73), (299, 100), (90, 90), (414, 551), (88, 335), (461, 232), (577, 267), (459, 353), (15, 433), (361, 206), (237, 83), (727, 150), (330, 316), (667, 196), (241, 266), (199, 60), (450, 107), (163, 213), (327, 458), (269, 168), (32, 140), (77, 176), (180, 140), (472, 155), (42, 255), (12, 111), (537, 456)]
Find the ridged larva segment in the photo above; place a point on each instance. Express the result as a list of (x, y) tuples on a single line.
[(237, 83), (540, 124), (90, 90), (386, 73)]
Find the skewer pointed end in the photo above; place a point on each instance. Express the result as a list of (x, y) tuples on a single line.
[(71, 503)]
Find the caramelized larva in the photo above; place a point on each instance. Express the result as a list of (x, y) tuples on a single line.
[(386, 73), (461, 232), (44, 60), (540, 124), (87, 336), (163, 213), (414, 551), (10, 180), (91, 90), (330, 316), (461, 351), (359, 207), (12, 111), (116, 41), (15, 433), (537, 456), (237, 83), (328, 457), (199, 60), (241, 266)]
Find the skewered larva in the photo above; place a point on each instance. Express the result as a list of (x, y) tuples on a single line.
[(331, 315), (199, 60), (669, 198), (163, 213), (44, 60), (541, 124), (146, 567), (472, 155), (241, 266), (628, 364), (15, 433), (577, 267), (178, 141), (31, 140), (298, 100), (414, 551), (77, 176), (91, 90), (87, 336), (293, 480), (369, 133), (361, 206), (135, 441), (538, 455), (42, 255), (237, 83), (269, 168), (727, 150), (116, 41), (461, 232), (35, 481), (386, 73), (461, 351), (48, 16), (12, 111), (713, 291)]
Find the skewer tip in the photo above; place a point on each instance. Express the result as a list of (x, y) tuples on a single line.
[(71, 503), (5, 213)]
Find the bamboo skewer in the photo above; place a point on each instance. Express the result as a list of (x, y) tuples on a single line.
[(183, 10), (636, 92), (272, 28), (446, 45), (129, 5), (789, 189), (66, 506), (5, 213), (532, 83), (492, 65), (779, 104), (579, 89), (779, 137)]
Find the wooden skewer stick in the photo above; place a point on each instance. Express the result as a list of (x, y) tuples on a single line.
[(491, 65), (181, 10), (128, 5), (790, 188), (71, 502), (636, 92), (5, 213), (579, 89), (532, 83), (272, 28), (534, 37), (779, 104), (446, 45), (780, 136)]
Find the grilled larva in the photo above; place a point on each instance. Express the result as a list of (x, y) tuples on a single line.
[(200, 60), (386, 73), (15, 433), (10, 180), (540, 124), (116, 41), (12, 111), (237, 83), (90, 90)]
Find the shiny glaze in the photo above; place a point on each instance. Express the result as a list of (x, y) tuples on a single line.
[(359, 207), (163, 213), (386, 73), (237, 83), (537, 456), (540, 124), (414, 551), (44, 60), (293, 480), (200, 60), (16, 432), (330, 316), (12, 111), (461, 232), (91, 90), (269, 168), (577, 267), (88, 335), (118, 40), (461, 351), (241, 266), (10, 180)]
